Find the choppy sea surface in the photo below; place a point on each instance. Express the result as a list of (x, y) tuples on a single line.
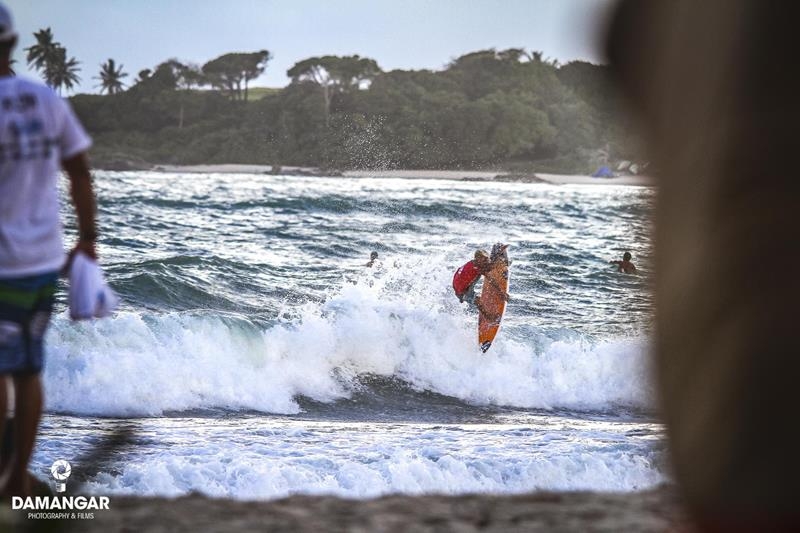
[(256, 356)]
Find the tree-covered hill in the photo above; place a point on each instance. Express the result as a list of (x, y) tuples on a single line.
[(501, 109)]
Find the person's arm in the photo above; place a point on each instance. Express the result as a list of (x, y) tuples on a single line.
[(82, 193)]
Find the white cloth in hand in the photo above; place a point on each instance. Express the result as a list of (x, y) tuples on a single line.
[(89, 294)]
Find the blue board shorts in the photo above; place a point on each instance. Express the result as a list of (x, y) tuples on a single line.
[(25, 308)]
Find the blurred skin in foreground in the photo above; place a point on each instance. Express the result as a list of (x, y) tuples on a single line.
[(714, 87)]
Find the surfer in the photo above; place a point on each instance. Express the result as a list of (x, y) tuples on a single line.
[(46, 136), (467, 276), (372, 258), (625, 265)]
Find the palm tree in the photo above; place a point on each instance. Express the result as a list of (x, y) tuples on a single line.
[(110, 77), (50, 57), (43, 52), (62, 72)]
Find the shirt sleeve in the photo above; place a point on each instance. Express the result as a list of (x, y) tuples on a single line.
[(73, 139)]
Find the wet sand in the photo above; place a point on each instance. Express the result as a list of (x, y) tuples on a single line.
[(459, 175), (649, 511)]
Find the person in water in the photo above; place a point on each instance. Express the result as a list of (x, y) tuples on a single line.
[(372, 258), (467, 276), (625, 265)]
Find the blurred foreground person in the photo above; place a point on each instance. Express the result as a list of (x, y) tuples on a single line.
[(39, 135), (715, 89)]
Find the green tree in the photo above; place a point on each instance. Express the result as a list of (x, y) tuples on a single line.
[(483, 72), (513, 55), (188, 77), (253, 65), (50, 58), (510, 109), (163, 78), (143, 75), (62, 72), (110, 77), (43, 53), (232, 72), (334, 75), (518, 129)]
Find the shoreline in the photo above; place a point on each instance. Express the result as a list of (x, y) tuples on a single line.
[(657, 509), (454, 175)]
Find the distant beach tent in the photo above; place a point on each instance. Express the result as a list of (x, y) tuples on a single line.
[(603, 172)]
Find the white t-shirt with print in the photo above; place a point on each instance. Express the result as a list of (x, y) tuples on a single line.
[(38, 130)]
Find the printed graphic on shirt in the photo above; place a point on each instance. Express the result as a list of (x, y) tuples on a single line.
[(25, 137)]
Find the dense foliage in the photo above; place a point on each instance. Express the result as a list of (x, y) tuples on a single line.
[(506, 109)]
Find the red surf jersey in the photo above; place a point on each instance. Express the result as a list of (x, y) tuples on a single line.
[(464, 277)]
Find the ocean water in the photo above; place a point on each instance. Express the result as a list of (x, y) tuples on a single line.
[(256, 356)]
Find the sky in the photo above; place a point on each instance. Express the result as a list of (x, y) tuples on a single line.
[(398, 34)]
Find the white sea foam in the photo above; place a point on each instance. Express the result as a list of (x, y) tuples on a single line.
[(368, 460), (405, 471), (141, 363), (564, 343)]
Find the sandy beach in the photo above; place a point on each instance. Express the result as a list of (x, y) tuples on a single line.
[(566, 179), (460, 175), (649, 511), (478, 175)]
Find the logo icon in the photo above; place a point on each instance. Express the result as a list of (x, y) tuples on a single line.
[(60, 472)]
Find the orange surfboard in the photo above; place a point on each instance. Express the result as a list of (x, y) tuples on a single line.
[(492, 300)]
